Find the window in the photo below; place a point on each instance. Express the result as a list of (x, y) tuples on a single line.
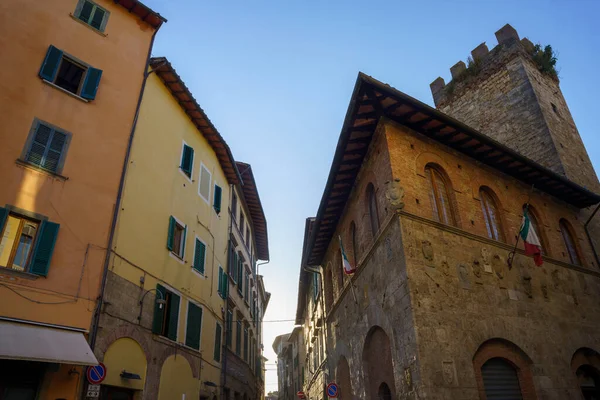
[(246, 344), (372, 205), (238, 338), (26, 244), (316, 285), (46, 146), (217, 199), (533, 219), (92, 14), (248, 237), (204, 186), (223, 283), (500, 380), (241, 221), (240, 277), (233, 262), (176, 237), (491, 214), (217, 354), (166, 316), (193, 326), (229, 328), (353, 243), (187, 160), (246, 285), (199, 256), (234, 205), (440, 198), (570, 242), (70, 74)]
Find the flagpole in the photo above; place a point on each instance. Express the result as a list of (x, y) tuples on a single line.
[(511, 255)]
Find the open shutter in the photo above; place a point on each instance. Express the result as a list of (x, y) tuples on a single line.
[(91, 82), (187, 160), (50, 64), (171, 233), (40, 262), (220, 287), (3, 216), (217, 355), (199, 256), (173, 317), (183, 241), (217, 199), (159, 310), (194, 323)]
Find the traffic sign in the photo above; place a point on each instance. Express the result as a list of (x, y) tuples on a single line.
[(301, 395), (96, 374), (333, 390)]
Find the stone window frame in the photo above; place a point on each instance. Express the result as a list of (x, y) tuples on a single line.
[(449, 191), (510, 352), (570, 230), (372, 208), (499, 209)]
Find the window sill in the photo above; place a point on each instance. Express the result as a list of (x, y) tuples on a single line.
[(40, 169), (65, 91), (88, 26), (20, 274), (177, 257)]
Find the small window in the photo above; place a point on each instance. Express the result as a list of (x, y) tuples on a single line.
[(26, 244), (46, 146), (246, 285), (218, 334), (570, 242), (70, 74), (238, 338), (223, 283), (229, 328), (193, 326), (440, 199), (92, 14), (176, 237), (240, 278), (204, 186), (316, 285), (217, 199), (234, 202), (199, 256), (233, 260), (242, 221), (187, 160), (491, 214), (166, 314), (245, 344), (248, 237), (372, 207)]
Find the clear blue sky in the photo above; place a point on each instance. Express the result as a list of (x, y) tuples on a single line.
[(276, 78)]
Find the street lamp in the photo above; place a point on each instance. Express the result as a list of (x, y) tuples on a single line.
[(160, 300)]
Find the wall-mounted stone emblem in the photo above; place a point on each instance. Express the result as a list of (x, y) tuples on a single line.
[(427, 253), (485, 260), (395, 194), (463, 276), (449, 372), (498, 264), (477, 268), (407, 378), (445, 267)]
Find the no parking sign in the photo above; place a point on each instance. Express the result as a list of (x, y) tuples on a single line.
[(333, 390), (96, 374)]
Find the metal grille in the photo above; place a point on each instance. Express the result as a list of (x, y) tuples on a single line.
[(500, 380)]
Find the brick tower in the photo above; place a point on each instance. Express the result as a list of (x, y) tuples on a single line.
[(505, 95)]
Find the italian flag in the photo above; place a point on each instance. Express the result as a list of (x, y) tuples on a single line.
[(348, 269), (531, 240)]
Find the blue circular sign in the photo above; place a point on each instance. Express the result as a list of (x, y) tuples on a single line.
[(332, 390), (96, 374)]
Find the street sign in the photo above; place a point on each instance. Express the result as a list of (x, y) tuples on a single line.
[(333, 390), (93, 391), (96, 374), (301, 395)]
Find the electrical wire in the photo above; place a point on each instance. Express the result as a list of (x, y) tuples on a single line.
[(37, 301)]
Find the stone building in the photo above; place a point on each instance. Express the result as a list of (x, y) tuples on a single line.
[(428, 208), (290, 367)]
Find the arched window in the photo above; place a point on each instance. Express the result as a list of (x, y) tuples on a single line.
[(500, 380), (491, 214), (533, 219), (440, 198), (353, 243), (372, 204), (570, 242), (328, 288), (384, 392)]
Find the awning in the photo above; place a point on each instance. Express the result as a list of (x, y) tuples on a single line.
[(40, 343)]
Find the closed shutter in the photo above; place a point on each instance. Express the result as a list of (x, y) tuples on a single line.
[(91, 83), (221, 277), (217, 355), (171, 233), (44, 248), (173, 317), (50, 64), (199, 256), (500, 380), (3, 216), (194, 323), (217, 199), (54, 151), (187, 160), (159, 310)]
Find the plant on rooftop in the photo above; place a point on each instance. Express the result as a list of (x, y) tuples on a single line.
[(545, 59)]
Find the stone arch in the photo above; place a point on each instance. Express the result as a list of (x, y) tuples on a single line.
[(342, 377), (172, 351), (123, 331), (585, 365), (177, 377), (378, 367), (512, 354), (127, 354), (432, 158)]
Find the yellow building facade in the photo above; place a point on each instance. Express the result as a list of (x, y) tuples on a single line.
[(161, 330)]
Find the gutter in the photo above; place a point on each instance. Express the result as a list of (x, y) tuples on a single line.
[(96, 317), (587, 232)]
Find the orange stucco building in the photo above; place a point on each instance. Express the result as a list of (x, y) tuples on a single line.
[(70, 86)]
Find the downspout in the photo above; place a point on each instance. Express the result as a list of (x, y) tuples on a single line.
[(587, 232), (96, 317)]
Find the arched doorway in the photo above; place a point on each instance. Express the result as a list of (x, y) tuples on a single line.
[(342, 374), (586, 366), (378, 367)]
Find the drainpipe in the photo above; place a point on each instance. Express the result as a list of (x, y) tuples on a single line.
[(96, 317), (590, 236)]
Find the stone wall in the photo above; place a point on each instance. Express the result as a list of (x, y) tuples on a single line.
[(240, 378)]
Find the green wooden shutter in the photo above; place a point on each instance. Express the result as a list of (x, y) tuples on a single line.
[(159, 310), (194, 323), (220, 287), (235, 264), (3, 216), (217, 199), (173, 317), (91, 83), (54, 151), (187, 160), (217, 355), (183, 241), (50, 65), (171, 233), (199, 256), (44, 246)]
